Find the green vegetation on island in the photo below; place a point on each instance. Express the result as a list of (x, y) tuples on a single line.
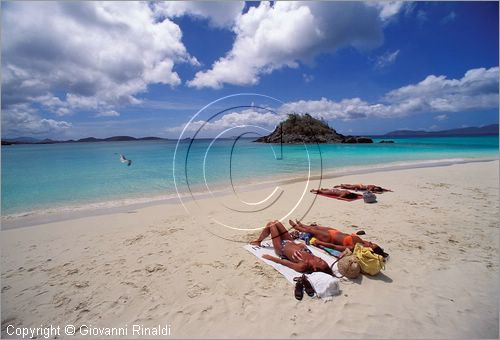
[(298, 129)]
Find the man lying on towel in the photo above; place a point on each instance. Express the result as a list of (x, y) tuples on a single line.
[(295, 256), (335, 239)]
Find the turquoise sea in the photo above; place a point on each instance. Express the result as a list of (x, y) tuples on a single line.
[(38, 177)]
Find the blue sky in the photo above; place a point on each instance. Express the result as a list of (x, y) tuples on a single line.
[(141, 69)]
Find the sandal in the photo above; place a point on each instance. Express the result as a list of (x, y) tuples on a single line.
[(299, 288), (307, 286)]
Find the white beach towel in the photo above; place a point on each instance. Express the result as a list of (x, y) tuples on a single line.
[(324, 288)]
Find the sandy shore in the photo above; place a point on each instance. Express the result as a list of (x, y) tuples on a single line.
[(187, 268)]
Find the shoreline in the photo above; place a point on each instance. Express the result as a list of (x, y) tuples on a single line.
[(71, 212)]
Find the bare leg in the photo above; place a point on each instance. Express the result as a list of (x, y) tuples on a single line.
[(313, 227), (321, 233), (265, 233), (276, 237), (332, 192), (284, 234), (299, 226)]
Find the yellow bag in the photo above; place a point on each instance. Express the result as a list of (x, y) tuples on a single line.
[(369, 262)]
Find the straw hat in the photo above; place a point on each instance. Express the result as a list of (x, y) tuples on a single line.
[(348, 266)]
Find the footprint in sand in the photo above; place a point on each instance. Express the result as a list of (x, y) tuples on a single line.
[(59, 300), (135, 239), (196, 290), (166, 232), (82, 306), (215, 264), (81, 284), (128, 283), (155, 268), (72, 271)]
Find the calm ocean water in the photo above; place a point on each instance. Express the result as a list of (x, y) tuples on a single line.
[(50, 176)]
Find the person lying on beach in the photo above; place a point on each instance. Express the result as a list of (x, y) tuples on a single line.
[(335, 192), (362, 187), (335, 239), (295, 256)]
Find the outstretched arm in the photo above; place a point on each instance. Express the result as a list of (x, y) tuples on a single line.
[(299, 267)]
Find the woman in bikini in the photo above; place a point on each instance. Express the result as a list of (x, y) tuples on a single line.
[(362, 187), (336, 192), (335, 239), (293, 255)]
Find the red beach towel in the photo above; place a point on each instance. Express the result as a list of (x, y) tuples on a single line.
[(358, 196)]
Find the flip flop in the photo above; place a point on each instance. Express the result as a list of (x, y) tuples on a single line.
[(307, 286), (299, 288)]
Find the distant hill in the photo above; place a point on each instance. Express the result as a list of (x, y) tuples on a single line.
[(119, 139), (468, 131), (90, 140), (23, 140), (29, 140), (151, 138), (298, 129)]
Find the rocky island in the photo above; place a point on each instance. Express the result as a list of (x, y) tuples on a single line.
[(298, 129)]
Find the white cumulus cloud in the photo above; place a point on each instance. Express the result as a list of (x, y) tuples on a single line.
[(219, 13), (388, 9), (230, 120), (22, 120), (109, 113), (271, 37), (68, 56), (476, 90)]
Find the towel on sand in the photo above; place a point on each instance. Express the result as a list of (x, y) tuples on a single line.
[(324, 285), (358, 196)]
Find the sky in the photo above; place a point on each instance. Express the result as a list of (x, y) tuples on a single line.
[(79, 69)]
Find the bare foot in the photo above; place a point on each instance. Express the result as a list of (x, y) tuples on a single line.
[(300, 224)]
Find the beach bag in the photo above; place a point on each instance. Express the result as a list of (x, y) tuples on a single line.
[(369, 197), (348, 265), (324, 285), (369, 262)]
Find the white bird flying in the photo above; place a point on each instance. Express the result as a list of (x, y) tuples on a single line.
[(124, 160)]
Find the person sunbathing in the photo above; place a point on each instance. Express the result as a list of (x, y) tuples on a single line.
[(335, 192), (295, 256), (335, 239), (363, 187)]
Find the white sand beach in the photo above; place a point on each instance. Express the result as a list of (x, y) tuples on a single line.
[(164, 265)]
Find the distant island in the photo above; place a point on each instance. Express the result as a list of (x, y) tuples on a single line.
[(486, 130), (298, 129), (30, 140)]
